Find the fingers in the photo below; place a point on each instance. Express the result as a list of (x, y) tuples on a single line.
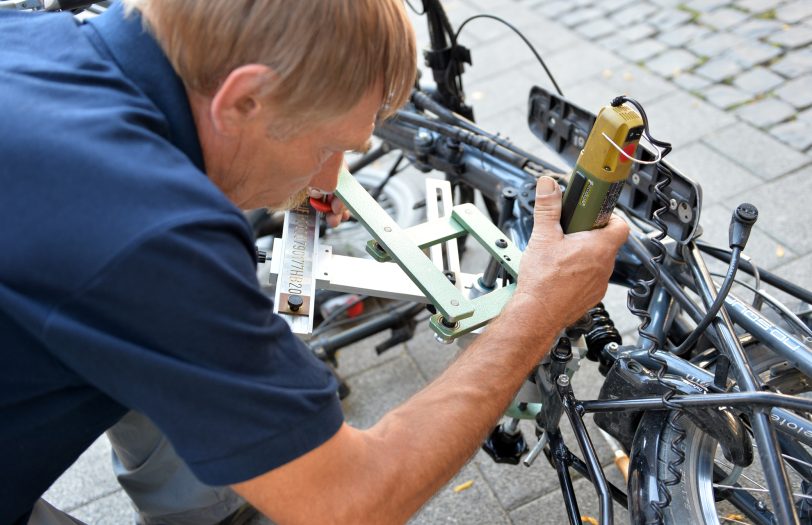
[(547, 212), (617, 230)]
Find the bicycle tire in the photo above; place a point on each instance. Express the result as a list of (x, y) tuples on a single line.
[(692, 497)]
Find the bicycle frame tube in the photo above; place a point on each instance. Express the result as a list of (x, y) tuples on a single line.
[(779, 341), (769, 451)]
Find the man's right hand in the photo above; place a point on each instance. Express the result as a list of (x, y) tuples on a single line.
[(562, 276)]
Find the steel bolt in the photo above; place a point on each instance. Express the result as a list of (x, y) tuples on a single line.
[(636, 179), (501, 243), (563, 380), (295, 302), (672, 204), (387, 229)]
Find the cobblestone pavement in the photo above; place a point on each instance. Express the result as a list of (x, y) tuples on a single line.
[(728, 82)]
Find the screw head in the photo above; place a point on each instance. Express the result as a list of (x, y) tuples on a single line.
[(672, 204), (636, 178), (501, 243), (295, 302), (563, 380), (454, 302), (387, 229)]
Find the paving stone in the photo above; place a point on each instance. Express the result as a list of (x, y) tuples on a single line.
[(797, 134), (597, 28), (724, 96), (550, 510), (805, 115), (614, 5), (669, 19), (378, 390), (691, 82), (764, 156), (637, 12), (580, 16), (765, 251), (794, 11), (706, 5), (638, 32), (794, 37), (723, 18), (555, 8), (628, 79), (642, 50), (114, 509), (497, 93), (719, 176), (683, 34), (749, 54), (613, 42), (794, 64), (672, 62), (476, 504), (89, 478), (758, 80), (781, 208), (756, 6), (758, 28), (797, 92), (766, 112), (579, 62), (796, 271), (667, 3), (715, 44), (680, 118), (719, 68)]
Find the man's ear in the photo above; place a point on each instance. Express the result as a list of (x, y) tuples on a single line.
[(240, 97)]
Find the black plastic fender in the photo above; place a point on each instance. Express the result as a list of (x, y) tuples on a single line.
[(642, 486)]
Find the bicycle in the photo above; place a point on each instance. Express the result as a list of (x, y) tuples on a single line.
[(689, 405)]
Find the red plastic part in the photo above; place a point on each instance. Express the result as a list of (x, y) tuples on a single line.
[(320, 205)]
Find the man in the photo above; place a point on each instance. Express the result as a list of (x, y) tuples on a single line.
[(127, 281)]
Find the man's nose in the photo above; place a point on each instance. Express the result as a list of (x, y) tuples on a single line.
[(326, 179)]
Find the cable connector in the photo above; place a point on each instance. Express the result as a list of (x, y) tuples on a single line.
[(741, 223)]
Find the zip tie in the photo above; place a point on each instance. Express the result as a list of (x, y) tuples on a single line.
[(636, 161)]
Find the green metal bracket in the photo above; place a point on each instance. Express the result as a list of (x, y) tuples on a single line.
[(457, 315)]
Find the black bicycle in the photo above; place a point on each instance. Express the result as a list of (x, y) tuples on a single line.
[(711, 379)]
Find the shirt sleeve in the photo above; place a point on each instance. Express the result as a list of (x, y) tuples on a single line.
[(176, 326)]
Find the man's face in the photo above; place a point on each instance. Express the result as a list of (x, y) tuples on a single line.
[(268, 171)]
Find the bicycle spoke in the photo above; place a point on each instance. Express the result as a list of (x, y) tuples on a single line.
[(751, 489)]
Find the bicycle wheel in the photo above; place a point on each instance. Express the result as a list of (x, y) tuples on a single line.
[(693, 498)]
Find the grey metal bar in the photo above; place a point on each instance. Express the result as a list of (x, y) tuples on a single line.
[(769, 450)]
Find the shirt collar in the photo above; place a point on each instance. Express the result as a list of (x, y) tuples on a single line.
[(140, 58)]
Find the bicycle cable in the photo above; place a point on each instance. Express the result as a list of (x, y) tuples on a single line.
[(639, 295), (718, 302), (521, 35)]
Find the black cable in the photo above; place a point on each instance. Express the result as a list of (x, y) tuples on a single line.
[(409, 3), (392, 172), (766, 276), (730, 276), (521, 35)]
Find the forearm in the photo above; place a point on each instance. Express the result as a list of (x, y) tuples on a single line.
[(419, 446)]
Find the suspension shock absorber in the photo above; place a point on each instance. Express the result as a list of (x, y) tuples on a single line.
[(602, 333)]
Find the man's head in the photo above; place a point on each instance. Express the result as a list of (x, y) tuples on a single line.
[(281, 88)]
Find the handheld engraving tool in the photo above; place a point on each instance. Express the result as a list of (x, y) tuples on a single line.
[(602, 168)]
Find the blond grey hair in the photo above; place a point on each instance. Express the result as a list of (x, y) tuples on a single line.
[(325, 54)]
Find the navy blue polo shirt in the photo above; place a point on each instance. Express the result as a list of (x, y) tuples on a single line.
[(127, 279)]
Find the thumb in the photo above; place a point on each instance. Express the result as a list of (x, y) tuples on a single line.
[(547, 212)]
